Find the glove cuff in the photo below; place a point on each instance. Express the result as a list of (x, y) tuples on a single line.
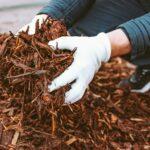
[(103, 37)]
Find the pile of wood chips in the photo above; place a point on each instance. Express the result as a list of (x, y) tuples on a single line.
[(31, 118)]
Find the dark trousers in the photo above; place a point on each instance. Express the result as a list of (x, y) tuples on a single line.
[(105, 16)]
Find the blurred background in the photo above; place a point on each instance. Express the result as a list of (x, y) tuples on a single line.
[(16, 13)]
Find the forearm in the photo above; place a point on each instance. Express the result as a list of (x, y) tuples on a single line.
[(132, 36), (138, 32), (120, 44)]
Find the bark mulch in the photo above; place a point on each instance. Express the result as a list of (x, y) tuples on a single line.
[(31, 118)]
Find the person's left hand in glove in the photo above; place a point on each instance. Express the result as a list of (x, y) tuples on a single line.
[(32, 25), (90, 53)]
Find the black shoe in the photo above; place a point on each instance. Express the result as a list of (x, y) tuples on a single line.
[(138, 82)]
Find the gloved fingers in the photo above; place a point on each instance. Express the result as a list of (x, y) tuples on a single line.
[(76, 93), (24, 28), (31, 29), (40, 19), (32, 26), (79, 87), (65, 78), (40, 22), (63, 43)]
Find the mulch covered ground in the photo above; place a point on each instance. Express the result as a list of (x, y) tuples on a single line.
[(32, 118)]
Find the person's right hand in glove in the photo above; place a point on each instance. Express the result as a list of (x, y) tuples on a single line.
[(90, 53), (32, 24)]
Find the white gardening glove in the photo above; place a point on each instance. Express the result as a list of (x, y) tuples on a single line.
[(32, 24), (91, 51)]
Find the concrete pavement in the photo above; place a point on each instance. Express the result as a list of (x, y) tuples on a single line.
[(4, 3), (13, 19)]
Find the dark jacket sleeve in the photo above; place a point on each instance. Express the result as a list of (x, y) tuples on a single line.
[(67, 10), (138, 32)]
